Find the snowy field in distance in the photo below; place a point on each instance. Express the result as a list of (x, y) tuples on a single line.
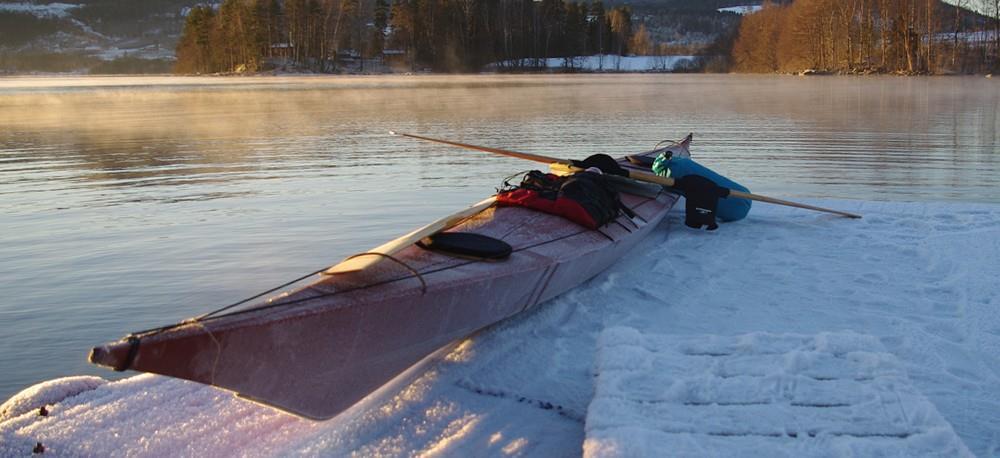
[(57, 10), (915, 282), (607, 63), (742, 10)]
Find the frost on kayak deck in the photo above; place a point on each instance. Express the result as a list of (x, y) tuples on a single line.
[(761, 394)]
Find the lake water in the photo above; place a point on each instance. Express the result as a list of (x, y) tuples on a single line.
[(127, 203)]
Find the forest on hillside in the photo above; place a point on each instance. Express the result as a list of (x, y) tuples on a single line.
[(440, 35), (836, 36), (862, 36), (120, 35)]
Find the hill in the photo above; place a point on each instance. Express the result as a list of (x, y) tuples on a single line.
[(114, 36), (128, 36)]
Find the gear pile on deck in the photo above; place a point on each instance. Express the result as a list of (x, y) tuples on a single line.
[(585, 198)]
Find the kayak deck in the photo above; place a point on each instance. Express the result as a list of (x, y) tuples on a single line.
[(318, 350)]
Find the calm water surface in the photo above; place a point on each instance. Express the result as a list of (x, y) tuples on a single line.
[(132, 202)]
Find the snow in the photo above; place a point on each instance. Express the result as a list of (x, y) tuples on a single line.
[(985, 7), (606, 62), (760, 393), (54, 10), (185, 11), (977, 37), (45, 393), (144, 52), (741, 10), (898, 310)]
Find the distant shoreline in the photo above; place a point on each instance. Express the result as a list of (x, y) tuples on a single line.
[(588, 64), (506, 71)]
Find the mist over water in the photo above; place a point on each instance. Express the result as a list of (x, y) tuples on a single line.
[(127, 203)]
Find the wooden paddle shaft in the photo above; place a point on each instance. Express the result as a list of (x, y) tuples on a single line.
[(503, 152), (667, 181), (635, 174), (772, 200)]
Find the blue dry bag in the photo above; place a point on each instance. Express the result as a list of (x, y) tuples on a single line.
[(729, 208)]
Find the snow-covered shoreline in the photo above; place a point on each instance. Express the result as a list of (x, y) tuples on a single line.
[(918, 278), (609, 63)]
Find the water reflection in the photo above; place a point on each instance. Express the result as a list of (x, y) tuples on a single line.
[(132, 202), (143, 131)]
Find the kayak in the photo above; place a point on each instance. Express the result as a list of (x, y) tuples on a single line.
[(317, 350)]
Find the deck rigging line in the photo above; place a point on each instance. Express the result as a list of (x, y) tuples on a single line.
[(218, 313)]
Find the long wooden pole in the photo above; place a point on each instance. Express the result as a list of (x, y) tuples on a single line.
[(634, 174)]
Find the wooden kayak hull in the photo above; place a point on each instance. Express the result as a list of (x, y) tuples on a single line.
[(318, 350)]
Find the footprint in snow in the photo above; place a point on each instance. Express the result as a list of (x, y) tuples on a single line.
[(946, 331)]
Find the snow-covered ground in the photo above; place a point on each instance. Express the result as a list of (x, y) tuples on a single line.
[(56, 10), (761, 394), (790, 333), (742, 10), (84, 39), (144, 52), (982, 36), (606, 62)]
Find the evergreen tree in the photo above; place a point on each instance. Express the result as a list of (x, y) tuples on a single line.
[(194, 50), (598, 34), (381, 22), (554, 27), (403, 22), (576, 29)]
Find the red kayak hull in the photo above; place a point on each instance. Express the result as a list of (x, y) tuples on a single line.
[(318, 350)]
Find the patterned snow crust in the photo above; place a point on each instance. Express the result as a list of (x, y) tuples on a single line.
[(761, 394)]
